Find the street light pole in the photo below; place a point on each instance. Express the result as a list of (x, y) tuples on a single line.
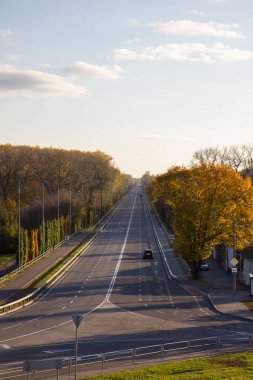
[(19, 226), (58, 214), (43, 219), (70, 212)]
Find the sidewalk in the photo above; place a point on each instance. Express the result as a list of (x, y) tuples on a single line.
[(12, 287), (219, 287), (217, 284)]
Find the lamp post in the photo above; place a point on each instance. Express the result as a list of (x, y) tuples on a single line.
[(43, 219), (58, 214), (70, 212), (19, 226)]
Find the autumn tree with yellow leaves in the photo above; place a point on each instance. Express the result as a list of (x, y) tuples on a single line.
[(207, 201)]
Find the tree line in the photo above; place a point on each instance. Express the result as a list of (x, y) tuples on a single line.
[(71, 190), (208, 203)]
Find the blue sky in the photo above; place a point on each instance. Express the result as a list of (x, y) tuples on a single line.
[(147, 81)]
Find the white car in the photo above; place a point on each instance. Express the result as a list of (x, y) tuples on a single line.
[(204, 267)]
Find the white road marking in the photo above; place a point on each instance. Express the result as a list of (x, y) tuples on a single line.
[(71, 301), (120, 257), (57, 351), (5, 346), (64, 307)]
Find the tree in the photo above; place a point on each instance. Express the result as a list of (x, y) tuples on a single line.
[(206, 201)]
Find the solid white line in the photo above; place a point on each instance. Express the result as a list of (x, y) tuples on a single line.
[(120, 257)]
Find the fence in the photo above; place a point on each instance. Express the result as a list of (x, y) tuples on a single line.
[(15, 305), (138, 355)]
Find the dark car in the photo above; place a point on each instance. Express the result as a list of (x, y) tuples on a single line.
[(148, 254), (204, 267)]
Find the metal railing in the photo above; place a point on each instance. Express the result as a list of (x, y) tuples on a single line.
[(24, 301), (140, 355), (19, 270)]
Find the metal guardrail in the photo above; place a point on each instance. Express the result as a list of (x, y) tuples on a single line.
[(13, 273), (137, 355), (15, 305)]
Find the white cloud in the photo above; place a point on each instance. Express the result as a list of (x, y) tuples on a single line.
[(161, 137), (5, 35), (196, 28), (196, 13), (13, 57), (95, 71), (21, 82), (190, 52), (132, 41), (46, 65)]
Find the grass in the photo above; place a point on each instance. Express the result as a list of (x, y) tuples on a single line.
[(5, 258), (230, 367), (59, 265)]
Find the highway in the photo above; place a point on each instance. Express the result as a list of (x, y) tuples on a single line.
[(126, 301)]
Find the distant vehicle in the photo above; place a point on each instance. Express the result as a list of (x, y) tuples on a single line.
[(172, 237), (148, 254), (140, 195), (204, 267)]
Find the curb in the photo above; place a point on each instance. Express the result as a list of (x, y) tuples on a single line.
[(226, 314)]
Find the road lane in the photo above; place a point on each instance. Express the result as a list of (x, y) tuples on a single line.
[(143, 306)]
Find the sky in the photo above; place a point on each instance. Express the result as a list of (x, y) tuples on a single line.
[(148, 82)]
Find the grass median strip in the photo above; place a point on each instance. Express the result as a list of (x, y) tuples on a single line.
[(237, 366)]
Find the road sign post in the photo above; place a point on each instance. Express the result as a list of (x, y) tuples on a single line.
[(234, 262), (77, 319)]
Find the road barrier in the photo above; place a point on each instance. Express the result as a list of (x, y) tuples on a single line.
[(19, 270), (15, 305), (159, 245), (140, 355)]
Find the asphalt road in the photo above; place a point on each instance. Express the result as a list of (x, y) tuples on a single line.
[(126, 301)]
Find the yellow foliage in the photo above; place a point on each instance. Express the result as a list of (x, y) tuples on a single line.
[(207, 200)]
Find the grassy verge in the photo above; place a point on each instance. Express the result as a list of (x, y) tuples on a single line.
[(231, 366), (36, 284)]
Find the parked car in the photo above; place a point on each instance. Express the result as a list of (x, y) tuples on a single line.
[(148, 254), (204, 267)]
